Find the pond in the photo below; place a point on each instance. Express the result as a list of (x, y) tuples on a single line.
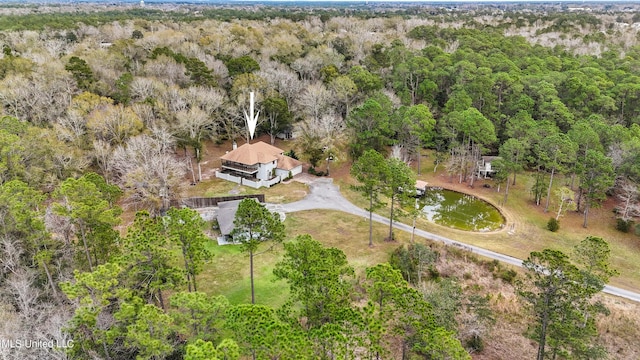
[(460, 211)]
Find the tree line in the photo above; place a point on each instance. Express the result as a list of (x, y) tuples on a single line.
[(101, 96)]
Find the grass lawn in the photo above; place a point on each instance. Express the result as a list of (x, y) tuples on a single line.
[(348, 233), (228, 272)]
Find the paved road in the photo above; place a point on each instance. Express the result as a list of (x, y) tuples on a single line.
[(325, 195)]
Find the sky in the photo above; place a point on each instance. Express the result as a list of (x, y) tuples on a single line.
[(388, 1)]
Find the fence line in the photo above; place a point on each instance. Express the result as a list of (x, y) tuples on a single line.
[(202, 202)]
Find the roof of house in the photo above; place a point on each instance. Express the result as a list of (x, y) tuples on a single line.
[(422, 185), (251, 154), (287, 163), (226, 214), (490, 158), (266, 148)]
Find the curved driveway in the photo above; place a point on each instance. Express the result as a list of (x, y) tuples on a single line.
[(325, 195)]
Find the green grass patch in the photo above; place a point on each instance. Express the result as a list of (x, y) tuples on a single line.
[(228, 274), (348, 233)]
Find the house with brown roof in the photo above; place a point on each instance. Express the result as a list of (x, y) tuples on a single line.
[(257, 165)]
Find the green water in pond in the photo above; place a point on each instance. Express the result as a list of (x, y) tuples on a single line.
[(460, 211)]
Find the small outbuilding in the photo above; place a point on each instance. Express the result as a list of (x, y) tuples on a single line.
[(225, 216), (286, 134), (421, 187), (484, 168)]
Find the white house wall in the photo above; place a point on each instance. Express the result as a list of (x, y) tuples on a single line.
[(264, 170), (296, 170), (285, 173), (228, 177), (260, 183)]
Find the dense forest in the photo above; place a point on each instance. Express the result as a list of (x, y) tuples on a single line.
[(108, 112)]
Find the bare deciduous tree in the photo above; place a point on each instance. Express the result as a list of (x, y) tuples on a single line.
[(193, 124), (206, 99), (14, 94), (309, 67), (27, 317), (101, 154), (148, 170), (11, 251), (628, 194), (281, 79), (167, 70), (192, 128), (232, 122), (330, 127), (173, 99), (146, 113), (71, 128), (144, 88), (56, 47), (315, 101), (20, 285), (114, 123), (41, 97)]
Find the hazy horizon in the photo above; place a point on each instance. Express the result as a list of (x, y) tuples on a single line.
[(44, 2)]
